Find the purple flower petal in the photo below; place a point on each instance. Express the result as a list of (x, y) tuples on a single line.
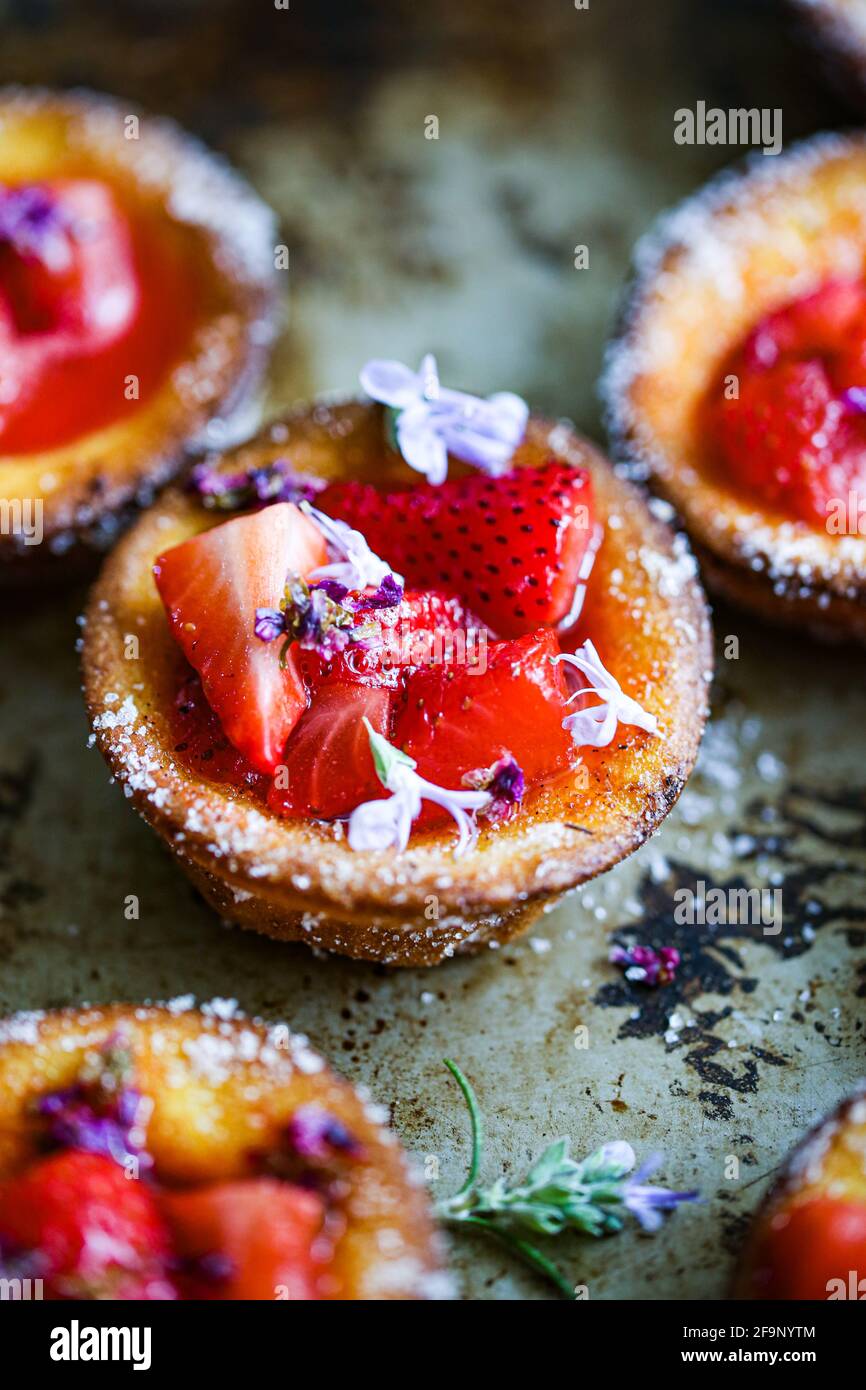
[(32, 223), (269, 625), (388, 594), (646, 965), (314, 1133), (332, 587)]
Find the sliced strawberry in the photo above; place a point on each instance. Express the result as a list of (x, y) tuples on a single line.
[(811, 1250), (425, 628), (248, 1239), (789, 438), (818, 325), (328, 768), (790, 435), (211, 586), (86, 1229), (75, 300), (511, 547), (457, 720)]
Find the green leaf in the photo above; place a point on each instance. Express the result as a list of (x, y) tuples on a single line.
[(385, 756), (548, 1164)]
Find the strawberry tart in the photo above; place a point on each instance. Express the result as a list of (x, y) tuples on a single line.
[(137, 289), (809, 1238), (395, 674), (171, 1153), (737, 385)]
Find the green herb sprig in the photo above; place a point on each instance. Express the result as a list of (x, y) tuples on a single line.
[(593, 1196)]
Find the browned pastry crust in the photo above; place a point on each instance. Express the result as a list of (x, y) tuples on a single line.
[(299, 880), (223, 1088), (739, 249), (209, 217), (831, 1159)]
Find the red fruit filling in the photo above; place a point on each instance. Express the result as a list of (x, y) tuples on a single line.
[(425, 674), (328, 767), (457, 720), (810, 1252), (795, 435), (250, 1239), (94, 1232), (90, 298), (512, 547)]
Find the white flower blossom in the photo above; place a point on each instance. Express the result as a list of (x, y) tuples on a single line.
[(387, 823), (595, 727), (433, 421), (358, 567)]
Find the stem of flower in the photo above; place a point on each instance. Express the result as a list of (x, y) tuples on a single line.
[(530, 1254), (477, 1127)]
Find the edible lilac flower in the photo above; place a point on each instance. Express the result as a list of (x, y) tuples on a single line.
[(314, 1133), (387, 822), (431, 421), (503, 781), (595, 727), (647, 1203), (645, 965), (332, 588), (309, 616), (32, 223), (254, 486), (388, 594), (270, 624), (76, 1125), (855, 398)]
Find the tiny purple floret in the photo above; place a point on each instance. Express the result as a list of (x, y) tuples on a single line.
[(388, 594), (645, 965), (314, 1133)]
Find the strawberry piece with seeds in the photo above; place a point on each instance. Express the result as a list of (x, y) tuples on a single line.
[(211, 586), (328, 765), (510, 546), (424, 628), (87, 1229)]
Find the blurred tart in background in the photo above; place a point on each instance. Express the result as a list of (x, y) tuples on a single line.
[(169, 1152), (736, 385), (808, 1240), (137, 295)]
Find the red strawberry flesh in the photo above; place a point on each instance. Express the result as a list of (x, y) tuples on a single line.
[(92, 1231), (457, 720), (328, 767), (248, 1239), (791, 436)]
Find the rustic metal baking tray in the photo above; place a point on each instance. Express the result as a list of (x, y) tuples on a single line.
[(552, 132)]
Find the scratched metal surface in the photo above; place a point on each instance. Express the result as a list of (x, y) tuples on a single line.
[(551, 135)]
